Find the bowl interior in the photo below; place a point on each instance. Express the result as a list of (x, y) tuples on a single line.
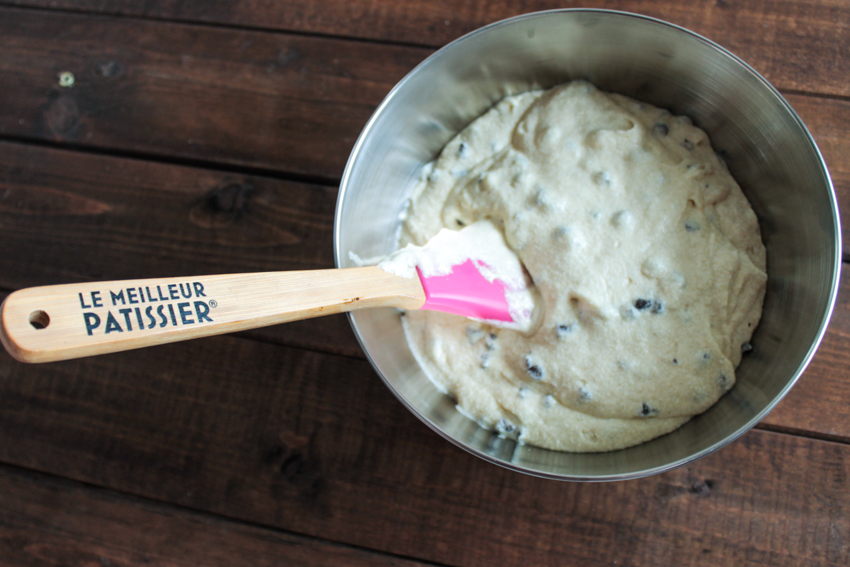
[(764, 143)]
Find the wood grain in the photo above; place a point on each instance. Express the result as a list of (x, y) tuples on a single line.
[(262, 100), (316, 444), (272, 101), (797, 45), (46, 521), (76, 217)]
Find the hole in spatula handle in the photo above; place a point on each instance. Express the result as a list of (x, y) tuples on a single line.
[(39, 319)]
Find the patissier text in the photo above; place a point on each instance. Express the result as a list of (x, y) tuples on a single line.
[(134, 309)]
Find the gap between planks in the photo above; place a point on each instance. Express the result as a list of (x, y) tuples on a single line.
[(167, 159), (795, 432), (828, 96), (106, 14), (218, 25)]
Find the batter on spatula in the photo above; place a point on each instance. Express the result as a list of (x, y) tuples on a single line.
[(645, 252)]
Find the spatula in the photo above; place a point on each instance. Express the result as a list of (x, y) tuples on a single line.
[(61, 322)]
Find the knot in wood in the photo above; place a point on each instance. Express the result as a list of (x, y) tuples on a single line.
[(232, 198), (107, 69), (302, 473), (702, 488), (62, 117)]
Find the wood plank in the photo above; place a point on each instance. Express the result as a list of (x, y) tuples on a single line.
[(799, 45), (262, 100), (47, 521), (266, 100), (76, 217), (81, 217), (316, 444)]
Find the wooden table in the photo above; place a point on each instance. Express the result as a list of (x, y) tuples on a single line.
[(209, 137)]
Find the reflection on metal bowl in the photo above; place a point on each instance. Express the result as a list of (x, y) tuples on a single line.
[(765, 144)]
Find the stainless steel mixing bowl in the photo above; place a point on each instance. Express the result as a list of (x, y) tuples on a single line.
[(764, 142)]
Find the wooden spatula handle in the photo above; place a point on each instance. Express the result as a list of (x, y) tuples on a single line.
[(60, 322)]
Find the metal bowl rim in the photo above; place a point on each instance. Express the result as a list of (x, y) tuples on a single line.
[(366, 132)]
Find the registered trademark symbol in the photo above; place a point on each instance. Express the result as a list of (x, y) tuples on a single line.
[(213, 303)]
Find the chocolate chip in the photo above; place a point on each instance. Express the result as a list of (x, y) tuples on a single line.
[(675, 361), (746, 347), (584, 395), (662, 129), (657, 307), (692, 226), (723, 381), (706, 355), (460, 222), (646, 410), (535, 372), (563, 330), (505, 426), (462, 149), (687, 144), (643, 303)]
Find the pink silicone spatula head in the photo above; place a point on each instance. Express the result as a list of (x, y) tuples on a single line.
[(472, 273), (465, 291)]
